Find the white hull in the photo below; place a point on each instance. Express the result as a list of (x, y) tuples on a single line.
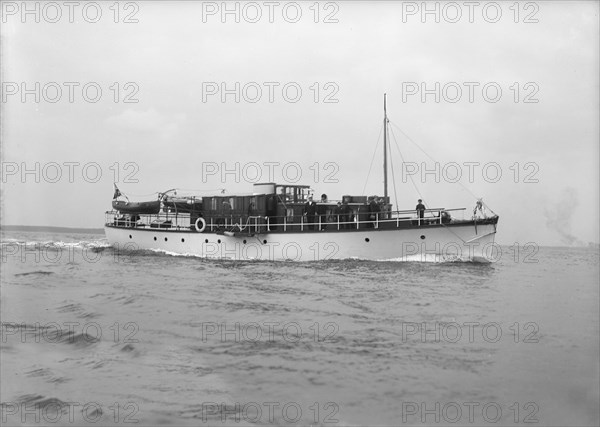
[(440, 243)]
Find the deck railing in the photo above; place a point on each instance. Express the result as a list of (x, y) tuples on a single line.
[(261, 224)]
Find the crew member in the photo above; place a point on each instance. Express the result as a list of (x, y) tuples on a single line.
[(322, 211), (339, 214), (374, 210), (310, 210), (420, 208), (346, 214)]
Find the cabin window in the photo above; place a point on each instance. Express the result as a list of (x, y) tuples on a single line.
[(213, 203), (290, 214), (303, 195), (289, 194), (232, 202)]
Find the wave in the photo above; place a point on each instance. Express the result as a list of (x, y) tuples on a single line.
[(59, 244), (47, 375), (40, 272), (40, 402), (429, 258), (100, 245), (437, 259)]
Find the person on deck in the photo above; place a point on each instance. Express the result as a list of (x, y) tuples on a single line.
[(322, 211), (346, 214), (420, 208), (251, 209), (339, 217), (310, 210), (374, 211)]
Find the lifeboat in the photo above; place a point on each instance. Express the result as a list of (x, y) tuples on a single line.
[(136, 207)]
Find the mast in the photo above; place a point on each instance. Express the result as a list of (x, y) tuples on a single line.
[(385, 122)]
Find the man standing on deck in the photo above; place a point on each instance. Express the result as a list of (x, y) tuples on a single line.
[(322, 211), (373, 211), (346, 214), (420, 208), (310, 210)]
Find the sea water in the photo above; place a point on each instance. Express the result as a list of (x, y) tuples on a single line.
[(94, 336)]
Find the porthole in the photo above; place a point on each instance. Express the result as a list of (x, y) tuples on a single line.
[(244, 242), (422, 237), (219, 241), (166, 239), (182, 240), (155, 239), (367, 239), (264, 242), (205, 240), (130, 236)]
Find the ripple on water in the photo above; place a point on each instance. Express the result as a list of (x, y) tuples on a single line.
[(78, 309), (47, 375), (37, 272)]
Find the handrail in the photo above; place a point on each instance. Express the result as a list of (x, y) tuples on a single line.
[(411, 211), (183, 220)]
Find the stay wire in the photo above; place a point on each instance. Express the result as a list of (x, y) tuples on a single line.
[(435, 161), (372, 159), (416, 188), (403, 161)]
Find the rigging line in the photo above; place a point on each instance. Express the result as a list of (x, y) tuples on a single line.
[(435, 161), (372, 159), (409, 138), (403, 161), (413, 182), (450, 230), (486, 206)]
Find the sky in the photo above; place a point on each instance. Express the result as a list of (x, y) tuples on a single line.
[(492, 100)]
